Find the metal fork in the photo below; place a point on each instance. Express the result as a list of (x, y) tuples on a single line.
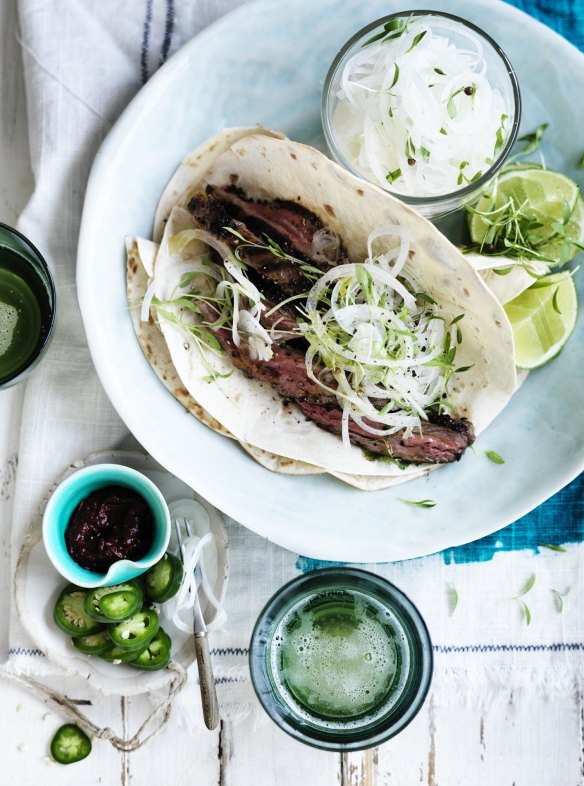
[(206, 679)]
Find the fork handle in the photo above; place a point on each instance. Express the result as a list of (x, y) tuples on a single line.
[(207, 681)]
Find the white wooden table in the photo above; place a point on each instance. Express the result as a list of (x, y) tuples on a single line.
[(539, 744)]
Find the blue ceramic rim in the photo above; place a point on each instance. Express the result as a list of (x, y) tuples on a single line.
[(21, 373), (471, 188), (67, 496), (385, 592)]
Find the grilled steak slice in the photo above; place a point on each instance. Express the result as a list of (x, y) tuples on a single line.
[(285, 372), (438, 442), (291, 225), (210, 214)]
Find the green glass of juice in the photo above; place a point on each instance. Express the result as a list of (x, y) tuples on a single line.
[(27, 306), (341, 659)]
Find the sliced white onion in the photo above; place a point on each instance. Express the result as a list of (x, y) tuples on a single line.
[(147, 301), (326, 246), (409, 91), (366, 326), (185, 599)]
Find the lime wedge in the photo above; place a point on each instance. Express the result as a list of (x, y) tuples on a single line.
[(549, 211), (543, 318)]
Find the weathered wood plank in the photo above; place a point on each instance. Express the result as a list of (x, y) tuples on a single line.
[(409, 758), (360, 768), (255, 751), (525, 743), (28, 726), (183, 752)]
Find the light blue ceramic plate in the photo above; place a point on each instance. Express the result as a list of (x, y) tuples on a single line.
[(266, 63)]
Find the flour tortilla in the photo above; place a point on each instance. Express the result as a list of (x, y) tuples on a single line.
[(268, 166)]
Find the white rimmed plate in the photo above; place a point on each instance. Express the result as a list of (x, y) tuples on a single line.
[(266, 63)]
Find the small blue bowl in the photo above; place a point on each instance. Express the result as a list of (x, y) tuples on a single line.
[(69, 494)]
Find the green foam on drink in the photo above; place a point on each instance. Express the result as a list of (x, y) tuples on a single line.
[(338, 655)]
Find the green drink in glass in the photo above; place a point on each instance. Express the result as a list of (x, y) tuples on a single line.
[(341, 659), (27, 306)]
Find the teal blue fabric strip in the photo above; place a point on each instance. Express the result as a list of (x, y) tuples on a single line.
[(566, 17)]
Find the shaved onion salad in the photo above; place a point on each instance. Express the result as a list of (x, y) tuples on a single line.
[(236, 300), (416, 113), (383, 342)]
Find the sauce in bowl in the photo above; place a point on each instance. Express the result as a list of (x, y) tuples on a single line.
[(110, 524)]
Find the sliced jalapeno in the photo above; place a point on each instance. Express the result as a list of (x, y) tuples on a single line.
[(116, 655), (163, 580), (136, 633), (94, 644), (70, 744), (156, 655), (71, 615), (115, 603)]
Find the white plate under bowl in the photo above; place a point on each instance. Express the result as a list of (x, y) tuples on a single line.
[(265, 63), (37, 587)]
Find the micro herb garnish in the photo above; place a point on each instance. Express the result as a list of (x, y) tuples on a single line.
[(392, 176), (392, 29), (425, 298), (532, 142), (410, 149), (269, 245), (559, 598), (461, 177), (199, 334), (451, 106), (424, 152), (215, 375), (513, 231), (186, 279), (444, 131), (365, 281), (395, 77), (552, 547), (494, 457), (452, 599), (416, 40), (310, 272), (386, 459), (500, 138), (527, 587), (421, 503)]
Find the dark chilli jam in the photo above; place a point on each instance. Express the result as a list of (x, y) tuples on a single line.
[(110, 524)]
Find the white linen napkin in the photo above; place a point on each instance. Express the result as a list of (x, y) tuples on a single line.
[(81, 70)]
